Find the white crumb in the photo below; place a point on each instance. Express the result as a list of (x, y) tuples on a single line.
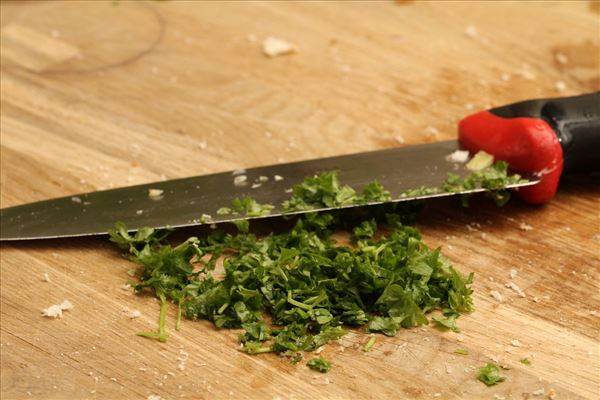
[(256, 185), (460, 338), (139, 212), (560, 86), (513, 273), (55, 311), (155, 194), (278, 178), (496, 295), (498, 397), (471, 31), (76, 199), (154, 397), (593, 313), (289, 190), (459, 156), (430, 130), (525, 227), (203, 145), (273, 47), (134, 314), (561, 58), (126, 286), (240, 180), (183, 357), (539, 392), (515, 343), (437, 395), (399, 139), (46, 277), (515, 288), (263, 178), (238, 172), (505, 77)]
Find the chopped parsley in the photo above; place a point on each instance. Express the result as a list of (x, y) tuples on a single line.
[(493, 179), (525, 361), (369, 345), (295, 291), (319, 364), (246, 206), (490, 374), (447, 323), (462, 352)]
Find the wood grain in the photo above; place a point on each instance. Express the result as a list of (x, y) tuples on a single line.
[(105, 94)]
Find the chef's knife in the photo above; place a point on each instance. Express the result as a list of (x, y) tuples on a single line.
[(194, 201)]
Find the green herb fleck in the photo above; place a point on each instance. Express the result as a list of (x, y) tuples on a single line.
[(490, 374), (447, 323), (319, 364), (525, 361), (369, 345), (462, 352), (250, 207)]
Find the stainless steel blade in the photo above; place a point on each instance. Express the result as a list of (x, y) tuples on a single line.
[(185, 200)]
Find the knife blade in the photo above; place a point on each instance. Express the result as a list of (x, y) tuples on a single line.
[(541, 138), (182, 202)]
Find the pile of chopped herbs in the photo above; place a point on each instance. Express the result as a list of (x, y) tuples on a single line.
[(295, 291)]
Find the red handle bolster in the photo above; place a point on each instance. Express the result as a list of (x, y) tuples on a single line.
[(527, 144)]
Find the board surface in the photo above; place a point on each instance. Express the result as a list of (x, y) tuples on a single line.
[(106, 94)]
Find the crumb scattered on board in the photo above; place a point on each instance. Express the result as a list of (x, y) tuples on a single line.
[(46, 277), (155, 194), (55, 310), (525, 227), (515, 288), (273, 47)]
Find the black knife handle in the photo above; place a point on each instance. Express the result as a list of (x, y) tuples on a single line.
[(576, 122)]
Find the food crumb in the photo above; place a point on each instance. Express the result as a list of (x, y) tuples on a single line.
[(561, 58), (515, 288), (560, 86), (55, 311), (154, 397), (134, 314), (513, 273), (46, 277), (278, 178), (76, 199), (273, 47), (240, 180), (459, 156), (155, 194), (539, 392), (139, 212), (515, 343), (263, 178), (496, 295), (551, 394), (256, 185), (127, 286), (525, 227), (471, 31)]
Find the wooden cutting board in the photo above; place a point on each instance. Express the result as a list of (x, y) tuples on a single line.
[(105, 94)]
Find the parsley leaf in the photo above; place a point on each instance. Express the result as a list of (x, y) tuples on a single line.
[(319, 364), (490, 375)]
